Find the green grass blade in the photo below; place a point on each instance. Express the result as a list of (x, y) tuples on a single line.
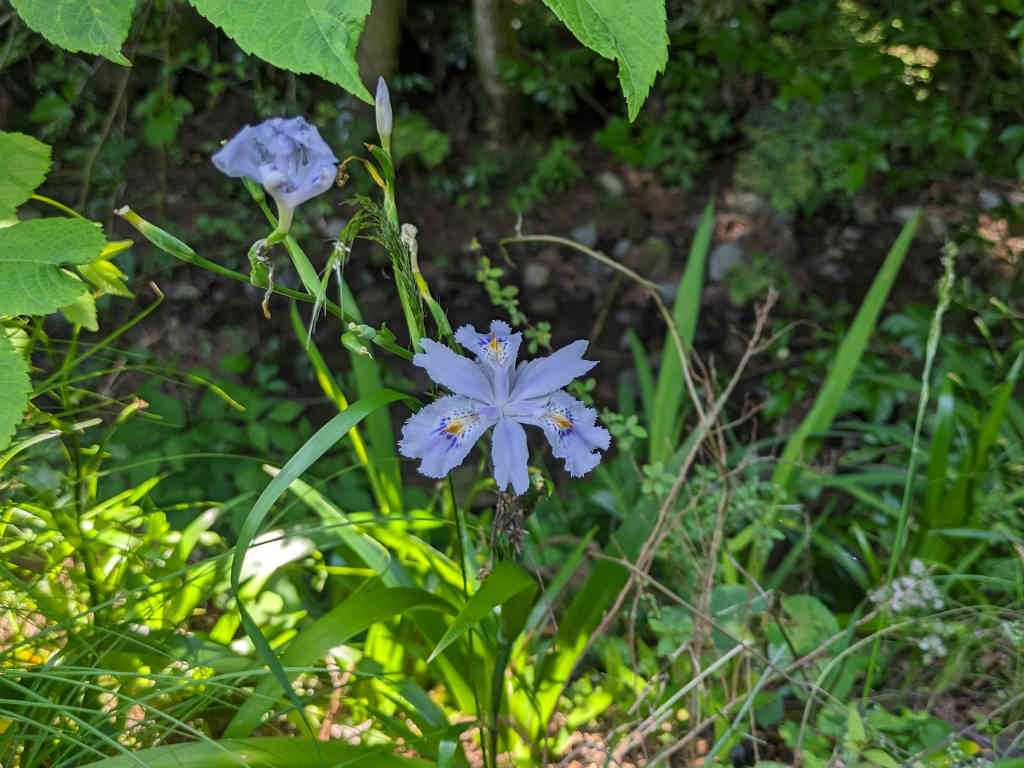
[(543, 609), (644, 375), (666, 420), (994, 419), (799, 448), (364, 548), (956, 509), (262, 753), (379, 435), (313, 449), (503, 583), (356, 614), (330, 388)]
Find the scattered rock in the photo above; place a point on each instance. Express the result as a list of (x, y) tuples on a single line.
[(586, 234), (905, 213), (723, 257), (935, 220), (543, 304), (865, 210), (611, 184), (650, 257), (621, 249), (831, 265), (183, 292), (989, 199), (850, 236), (1015, 197), (744, 202), (536, 275)]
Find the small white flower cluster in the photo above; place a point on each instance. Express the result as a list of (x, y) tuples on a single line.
[(933, 648), (910, 592)]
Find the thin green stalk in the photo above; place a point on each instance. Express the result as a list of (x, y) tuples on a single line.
[(411, 322), (67, 366), (179, 250), (949, 253), (333, 391)]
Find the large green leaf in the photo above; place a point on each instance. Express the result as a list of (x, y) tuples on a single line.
[(314, 36), (25, 162), (14, 389), (632, 33), (96, 26), (262, 753), (31, 254)]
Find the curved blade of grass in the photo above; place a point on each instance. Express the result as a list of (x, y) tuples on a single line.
[(826, 406), (317, 445), (261, 753), (356, 614), (666, 420), (956, 509), (333, 391), (544, 606), (503, 583), (313, 449), (994, 419), (644, 376), (365, 548)]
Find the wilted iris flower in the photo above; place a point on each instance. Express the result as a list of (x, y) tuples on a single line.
[(287, 157), (494, 391)]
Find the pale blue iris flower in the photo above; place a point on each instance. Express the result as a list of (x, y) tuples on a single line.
[(494, 391), (287, 157)]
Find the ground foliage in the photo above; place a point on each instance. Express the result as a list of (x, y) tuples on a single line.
[(797, 259)]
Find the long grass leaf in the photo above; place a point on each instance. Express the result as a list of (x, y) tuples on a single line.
[(503, 583), (666, 420), (799, 447), (644, 375), (312, 449), (262, 753), (356, 614)]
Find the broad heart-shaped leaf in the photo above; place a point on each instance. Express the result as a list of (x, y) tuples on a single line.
[(14, 389), (314, 36), (25, 161), (632, 32), (96, 26), (31, 252)]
